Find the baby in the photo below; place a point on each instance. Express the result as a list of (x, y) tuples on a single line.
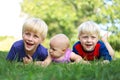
[(60, 51)]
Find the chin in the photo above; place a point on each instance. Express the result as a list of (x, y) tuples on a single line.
[(89, 49), (28, 49)]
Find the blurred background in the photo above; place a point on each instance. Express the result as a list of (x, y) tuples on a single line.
[(62, 16)]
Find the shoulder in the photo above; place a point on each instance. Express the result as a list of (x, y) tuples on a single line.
[(42, 49), (68, 51), (101, 43), (76, 43), (18, 43)]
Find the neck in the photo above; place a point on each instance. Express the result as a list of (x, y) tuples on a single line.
[(30, 52)]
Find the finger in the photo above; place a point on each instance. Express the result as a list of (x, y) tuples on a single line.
[(29, 57), (24, 59)]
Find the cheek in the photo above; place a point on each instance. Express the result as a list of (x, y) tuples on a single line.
[(82, 40), (95, 41), (24, 37), (58, 54), (38, 40)]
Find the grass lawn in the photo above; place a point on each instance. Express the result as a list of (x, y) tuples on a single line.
[(19, 71)]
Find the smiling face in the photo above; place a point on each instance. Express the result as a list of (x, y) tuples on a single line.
[(88, 41), (88, 34), (34, 32), (31, 41)]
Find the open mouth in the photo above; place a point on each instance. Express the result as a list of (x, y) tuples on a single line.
[(29, 44), (88, 45)]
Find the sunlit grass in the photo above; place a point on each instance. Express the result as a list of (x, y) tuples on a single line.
[(117, 54), (6, 42), (19, 71)]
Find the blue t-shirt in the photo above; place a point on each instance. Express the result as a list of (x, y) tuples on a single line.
[(100, 51), (17, 52)]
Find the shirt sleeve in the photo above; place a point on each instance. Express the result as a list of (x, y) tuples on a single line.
[(74, 49), (11, 54), (43, 53), (104, 52)]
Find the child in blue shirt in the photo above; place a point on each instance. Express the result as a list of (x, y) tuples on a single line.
[(29, 49), (89, 47)]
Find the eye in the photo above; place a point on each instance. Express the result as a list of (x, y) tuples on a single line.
[(93, 37), (85, 37), (36, 36), (27, 33), (53, 49)]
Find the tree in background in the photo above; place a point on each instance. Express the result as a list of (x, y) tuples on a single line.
[(64, 16)]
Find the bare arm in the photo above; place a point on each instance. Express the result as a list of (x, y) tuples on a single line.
[(44, 63), (108, 46), (77, 59)]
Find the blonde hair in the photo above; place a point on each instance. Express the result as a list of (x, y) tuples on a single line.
[(62, 38), (89, 27), (36, 25)]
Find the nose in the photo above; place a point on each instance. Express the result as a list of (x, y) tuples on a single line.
[(89, 39), (30, 38)]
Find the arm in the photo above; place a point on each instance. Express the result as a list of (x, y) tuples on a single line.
[(12, 54), (77, 59), (108, 46), (44, 63)]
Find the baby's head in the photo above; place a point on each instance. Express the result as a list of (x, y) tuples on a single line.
[(37, 26), (89, 28), (58, 45)]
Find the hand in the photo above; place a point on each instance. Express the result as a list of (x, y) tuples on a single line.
[(84, 62), (27, 59), (41, 63), (106, 62)]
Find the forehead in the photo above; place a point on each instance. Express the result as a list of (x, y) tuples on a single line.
[(89, 34), (57, 44), (31, 29)]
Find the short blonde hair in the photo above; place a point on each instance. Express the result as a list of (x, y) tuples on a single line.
[(36, 25), (62, 38), (89, 27)]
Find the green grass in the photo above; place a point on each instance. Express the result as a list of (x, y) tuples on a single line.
[(19, 71)]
